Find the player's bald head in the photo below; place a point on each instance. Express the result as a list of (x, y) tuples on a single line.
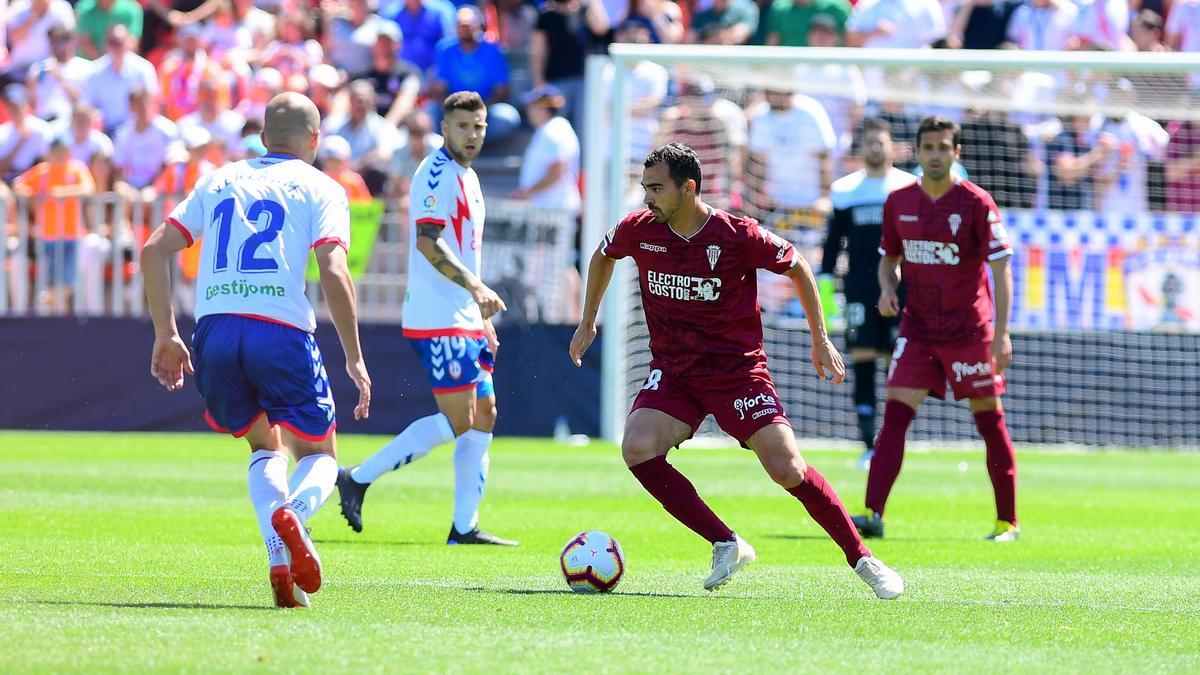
[(290, 124)]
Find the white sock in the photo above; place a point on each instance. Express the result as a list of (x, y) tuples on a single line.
[(470, 474), (416, 441), (312, 483), (266, 481)]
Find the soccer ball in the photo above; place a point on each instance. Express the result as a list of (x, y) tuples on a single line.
[(592, 562)]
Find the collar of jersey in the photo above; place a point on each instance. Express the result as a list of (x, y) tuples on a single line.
[(279, 155)]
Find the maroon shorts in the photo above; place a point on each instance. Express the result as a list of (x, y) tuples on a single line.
[(742, 402), (920, 365)]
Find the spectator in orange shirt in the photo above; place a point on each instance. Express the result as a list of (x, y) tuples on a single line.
[(186, 162), (335, 162), (184, 70), (56, 186)]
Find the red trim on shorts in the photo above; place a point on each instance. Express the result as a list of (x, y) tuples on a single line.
[(332, 240), (431, 221), (451, 390), (236, 434), (183, 230), (308, 437), (423, 333), (259, 317)]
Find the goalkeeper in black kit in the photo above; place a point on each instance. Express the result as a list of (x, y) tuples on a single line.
[(856, 224)]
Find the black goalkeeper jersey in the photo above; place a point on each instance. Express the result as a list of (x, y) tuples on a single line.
[(857, 225)]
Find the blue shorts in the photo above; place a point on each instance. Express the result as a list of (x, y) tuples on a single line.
[(457, 364), (60, 262), (246, 368)]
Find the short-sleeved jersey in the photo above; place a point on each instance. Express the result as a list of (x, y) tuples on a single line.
[(259, 219), (700, 293), (944, 247), (857, 218), (445, 194)]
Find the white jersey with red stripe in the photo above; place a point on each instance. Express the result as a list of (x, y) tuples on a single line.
[(446, 194), (259, 218)]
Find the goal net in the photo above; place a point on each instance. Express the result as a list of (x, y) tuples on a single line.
[(1093, 158)]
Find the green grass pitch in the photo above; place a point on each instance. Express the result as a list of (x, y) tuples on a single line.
[(139, 552)]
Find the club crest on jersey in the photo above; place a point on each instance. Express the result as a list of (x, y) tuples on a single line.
[(714, 252), (955, 221)]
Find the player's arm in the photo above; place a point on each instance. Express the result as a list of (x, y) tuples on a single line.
[(170, 358), (838, 223), (824, 355), (1001, 343), (600, 271), (889, 285), (438, 253), (338, 287)]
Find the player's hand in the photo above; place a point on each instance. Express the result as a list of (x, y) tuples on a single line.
[(489, 303), (584, 335), (828, 362), (358, 372), (889, 303), (1001, 352), (493, 340), (169, 361)]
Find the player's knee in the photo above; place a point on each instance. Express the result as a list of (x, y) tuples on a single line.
[(638, 448), (787, 471), (485, 417), (461, 421)]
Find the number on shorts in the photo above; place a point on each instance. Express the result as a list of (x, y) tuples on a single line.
[(653, 380)]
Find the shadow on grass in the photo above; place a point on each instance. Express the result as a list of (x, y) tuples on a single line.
[(544, 591), (147, 605), (375, 542), (822, 537), (798, 537)]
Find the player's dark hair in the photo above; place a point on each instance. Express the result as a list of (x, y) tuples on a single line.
[(876, 125), (682, 163), (463, 100), (938, 123)]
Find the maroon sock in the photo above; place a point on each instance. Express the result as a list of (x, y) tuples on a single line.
[(827, 509), (678, 496), (889, 453), (1001, 462)]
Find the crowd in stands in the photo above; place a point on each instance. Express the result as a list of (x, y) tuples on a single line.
[(141, 97)]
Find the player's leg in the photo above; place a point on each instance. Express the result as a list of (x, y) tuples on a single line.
[(775, 445), (1001, 464), (267, 482), (309, 488), (865, 364), (471, 463)]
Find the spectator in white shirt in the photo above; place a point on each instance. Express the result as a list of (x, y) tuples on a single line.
[(1103, 24), (29, 31), (141, 145), (897, 24), (56, 82), (115, 75), (1044, 25), (24, 139), (790, 154), (1183, 30), (84, 140), (550, 169), (225, 126), (372, 140)]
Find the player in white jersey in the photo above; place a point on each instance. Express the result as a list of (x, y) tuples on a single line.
[(256, 362), (447, 316)]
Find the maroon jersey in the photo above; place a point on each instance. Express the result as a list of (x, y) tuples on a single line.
[(944, 247), (700, 293)]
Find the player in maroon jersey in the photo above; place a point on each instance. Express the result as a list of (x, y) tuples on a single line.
[(942, 234), (697, 269)]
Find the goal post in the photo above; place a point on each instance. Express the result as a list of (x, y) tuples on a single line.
[(1106, 325)]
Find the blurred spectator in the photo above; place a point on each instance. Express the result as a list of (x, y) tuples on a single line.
[(29, 25), (83, 138), (566, 32), (185, 164), (981, 24), (420, 141), (790, 147), (693, 122), (1122, 181), (467, 63), (1044, 25), (223, 125), (97, 16), (323, 84), (726, 22), (896, 24), (1183, 165), (56, 82), (372, 140), (182, 72), (422, 25), (904, 126), (24, 138), (550, 168), (397, 83), (789, 19), (1183, 30), (351, 30), (514, 22), (1146, 31), (57, 184), (844, 104), (1103, 25), (261, 24), (334, 155), (223, 35), (115, 75), (1073, 155), (141, 145), (661, 17), (295, 50), (995, 152), (647, 89), (268, 83)]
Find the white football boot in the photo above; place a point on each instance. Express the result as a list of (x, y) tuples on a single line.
[(885, 581), (728, 558)]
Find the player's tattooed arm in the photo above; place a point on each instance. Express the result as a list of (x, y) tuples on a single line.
[(438, 253)]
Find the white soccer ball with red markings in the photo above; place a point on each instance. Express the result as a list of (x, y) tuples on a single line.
[(592, 562)]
